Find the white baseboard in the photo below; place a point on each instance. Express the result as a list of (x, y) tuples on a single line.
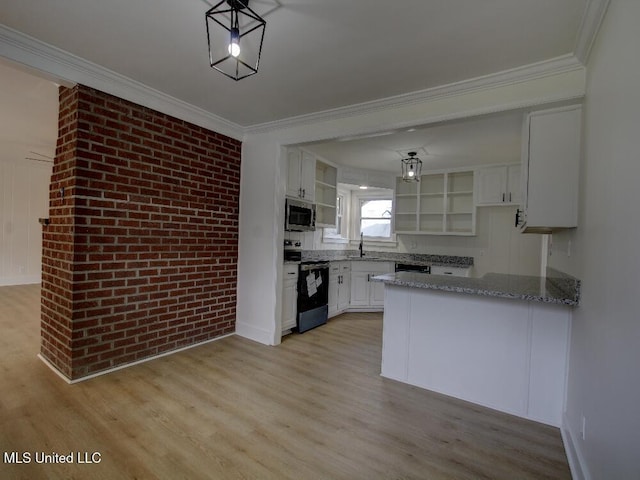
[(20, 280), (578, 466), (352, 309), (254, 333), (127, 365)]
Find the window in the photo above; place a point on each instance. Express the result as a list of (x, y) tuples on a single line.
[(375, 217), (339, 215), (340, 232)]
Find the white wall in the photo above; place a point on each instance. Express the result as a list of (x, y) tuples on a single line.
[(262, 181), (28, 129), (24, 197), (497, 246), (604, 371)]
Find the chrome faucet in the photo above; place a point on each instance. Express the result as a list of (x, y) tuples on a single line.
[(361, 245)]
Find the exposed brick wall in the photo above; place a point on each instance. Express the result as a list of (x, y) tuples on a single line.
[(141, 254), (57, 243)]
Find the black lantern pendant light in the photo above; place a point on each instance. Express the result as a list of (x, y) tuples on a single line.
[(235, 34), (411, 168)]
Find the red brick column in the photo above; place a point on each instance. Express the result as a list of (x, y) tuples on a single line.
[(140, 257)]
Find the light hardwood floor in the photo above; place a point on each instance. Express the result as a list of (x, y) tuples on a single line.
[(313, 408)]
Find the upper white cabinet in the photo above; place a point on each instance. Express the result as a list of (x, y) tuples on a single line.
[(439, 204), (498, 185), (301, 168), (314, 180), (550, 167), (326, 194)]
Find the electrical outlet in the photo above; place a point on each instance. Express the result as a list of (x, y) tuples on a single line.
[(583, 428)]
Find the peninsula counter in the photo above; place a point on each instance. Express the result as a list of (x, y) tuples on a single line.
[(500, 341)]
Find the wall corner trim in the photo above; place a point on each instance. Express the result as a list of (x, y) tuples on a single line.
[(591, 21), (579, 470)]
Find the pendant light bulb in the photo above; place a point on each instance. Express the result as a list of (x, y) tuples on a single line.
[(411, 173), (234, 44)]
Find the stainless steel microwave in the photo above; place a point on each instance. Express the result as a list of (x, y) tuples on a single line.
[(300, 216)]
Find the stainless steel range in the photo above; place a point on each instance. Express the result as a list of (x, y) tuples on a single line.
[(313, 295)]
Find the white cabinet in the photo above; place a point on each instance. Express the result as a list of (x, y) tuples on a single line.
[(300, 174), (507, 354), (326, 194), (360, 289), (365, 293), (439, 204), (550, 169), (449, 270), (339, 287), (498, 185), (289, 296)]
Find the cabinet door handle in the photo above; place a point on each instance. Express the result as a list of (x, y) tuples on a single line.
[(304, 192), (368, 277), (503, 198), (510, 197)]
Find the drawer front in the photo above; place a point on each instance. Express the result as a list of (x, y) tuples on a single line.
[(453, 271), (290, 270)]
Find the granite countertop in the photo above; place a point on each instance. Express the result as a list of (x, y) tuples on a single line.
[(373, 256), (557, 287)]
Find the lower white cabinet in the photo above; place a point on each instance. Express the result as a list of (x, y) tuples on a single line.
[(365, 293), (289, 296), (509, 355), (339, 287)]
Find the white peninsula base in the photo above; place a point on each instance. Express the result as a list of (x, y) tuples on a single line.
[(506, 354)]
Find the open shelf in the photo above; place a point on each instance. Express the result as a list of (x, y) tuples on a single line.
[(440, 204)]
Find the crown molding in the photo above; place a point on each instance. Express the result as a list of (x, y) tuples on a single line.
[(591, 20), (547, 68), (65, 68)]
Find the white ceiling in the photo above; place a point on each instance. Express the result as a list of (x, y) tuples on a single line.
[(317, 55), (322, 55), (478, 141)]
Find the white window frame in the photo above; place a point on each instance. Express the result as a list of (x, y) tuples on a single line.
[(328, 235), (356, 200)]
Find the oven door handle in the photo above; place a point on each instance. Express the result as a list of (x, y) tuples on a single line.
[(313, 268)]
